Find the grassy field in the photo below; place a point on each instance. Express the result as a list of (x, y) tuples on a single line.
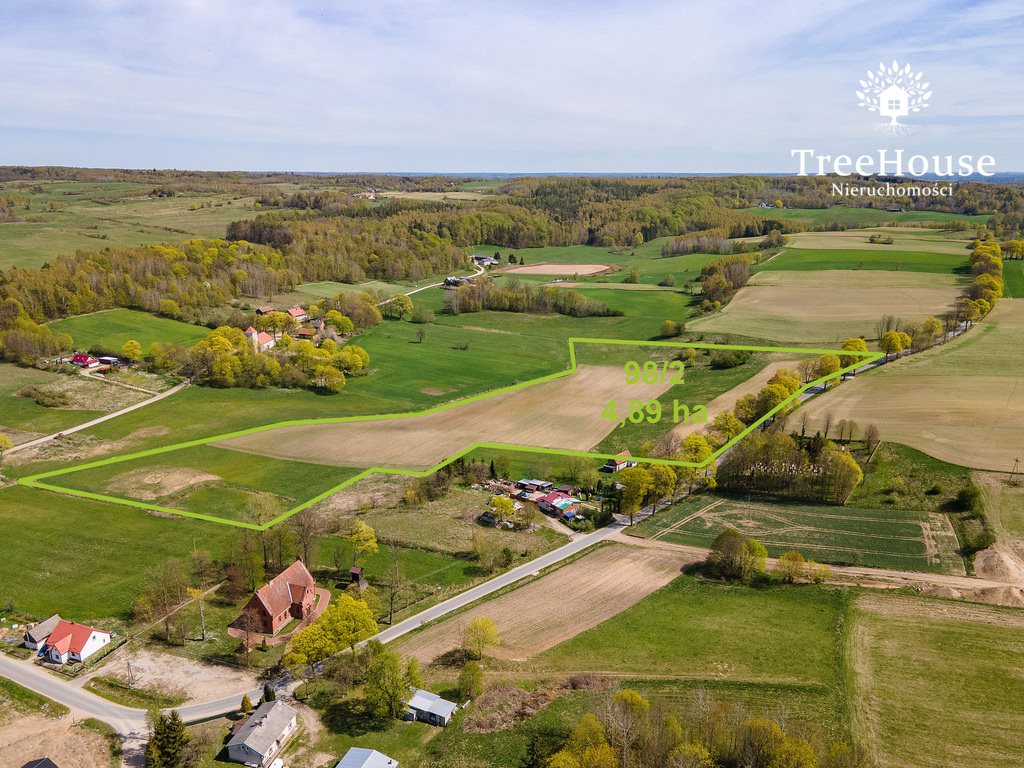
[(884, 538), (1006, 504), (1013, 277), (108, 331), (817, 259), (958, 402), (919, 664), (780, 639), (23, 414), (861, 216), (64, 216), (210, 480), (903, 478), (61, 541)]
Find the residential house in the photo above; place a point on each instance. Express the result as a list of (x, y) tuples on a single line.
[(429, 708), (289, 595), (73, 642), (560, 504), (359, 757), (298, 314), (43, 762), (35, 637), (261, 340), (85, 361), (263, 735), (265, 310), (305, 333), (109, 361), (621, 461)]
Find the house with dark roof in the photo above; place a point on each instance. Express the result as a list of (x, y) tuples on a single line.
[(43, 762), (265, 310), (73, 642), (289, 595), (263, 735), (36, 635)]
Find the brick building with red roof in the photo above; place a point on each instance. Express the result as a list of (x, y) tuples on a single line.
[(289, 595)]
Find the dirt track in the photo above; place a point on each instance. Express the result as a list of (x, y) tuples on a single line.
[(560, 605), (564, 413)]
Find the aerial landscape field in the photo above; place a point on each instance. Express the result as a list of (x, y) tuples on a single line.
[(307, 463)]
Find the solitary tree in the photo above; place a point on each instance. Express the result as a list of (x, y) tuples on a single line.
[(363, 540), (481, 634), (636, 484), (132, 350), (790, 566), (399, 306)]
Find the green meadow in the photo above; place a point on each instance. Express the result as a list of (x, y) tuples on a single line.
[(816, 259), (24, 413), (108, 331)]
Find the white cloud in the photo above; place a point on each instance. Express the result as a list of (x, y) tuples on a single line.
[(447, 85)]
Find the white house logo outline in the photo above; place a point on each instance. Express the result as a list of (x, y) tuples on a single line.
[(894, 92)]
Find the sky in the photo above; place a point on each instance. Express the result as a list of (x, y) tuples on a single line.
[(522, 86)]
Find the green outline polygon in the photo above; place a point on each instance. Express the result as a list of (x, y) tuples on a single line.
[(34, 481)]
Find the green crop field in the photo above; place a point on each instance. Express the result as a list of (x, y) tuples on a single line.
[(885, 538), (861, 216), (65, 216), (920, 666), (816, 259), (108, 331), (1013, 277)]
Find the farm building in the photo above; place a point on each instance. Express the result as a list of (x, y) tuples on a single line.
[(110, 361), (72, 642), (289, 595), (429, 708), (532, 486), (485, 260), (35, 637), (358, 757), (561, 504), (621, 461), (298, 314), (262, 735), (305, 334), (266, 309), (85, 361), (261, 340), (43, 762)]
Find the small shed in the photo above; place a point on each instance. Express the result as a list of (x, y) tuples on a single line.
[(430, 708), (359, 757)]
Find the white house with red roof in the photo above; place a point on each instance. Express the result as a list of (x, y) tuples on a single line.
[(73, 642), (261, 340), (85, 361), (299, 314)]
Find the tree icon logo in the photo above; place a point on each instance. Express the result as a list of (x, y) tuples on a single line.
[(894, 92)]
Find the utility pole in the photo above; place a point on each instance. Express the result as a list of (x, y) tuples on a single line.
[(1016, 470)]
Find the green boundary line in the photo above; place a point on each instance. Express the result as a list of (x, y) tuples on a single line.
[(35, 481)]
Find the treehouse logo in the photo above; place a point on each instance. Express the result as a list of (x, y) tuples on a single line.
[(894, 92)]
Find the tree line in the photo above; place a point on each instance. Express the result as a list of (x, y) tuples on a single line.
[(518, 296), (627, 730)]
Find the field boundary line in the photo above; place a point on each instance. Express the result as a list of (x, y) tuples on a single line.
[(38, 480)]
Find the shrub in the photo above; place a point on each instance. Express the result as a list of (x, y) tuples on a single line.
[(422, 315), (728, 358), (45, 398)]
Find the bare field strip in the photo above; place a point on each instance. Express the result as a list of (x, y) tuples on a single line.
[(962, 402), (907, 239), (830, 304), (557, 269), (564, 413), (560, 605)]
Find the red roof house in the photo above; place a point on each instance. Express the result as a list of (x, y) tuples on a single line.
[(299, 314), (70, 641), (84, 361), (622, 460), (289, 595)]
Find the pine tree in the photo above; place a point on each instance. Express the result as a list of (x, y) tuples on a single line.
[(170, 739), (268, 693), (153, 757), (246, 704), (494, 474)]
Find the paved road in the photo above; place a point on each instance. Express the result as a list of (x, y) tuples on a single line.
[(100, 419), (479, 271), (498, 582)]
